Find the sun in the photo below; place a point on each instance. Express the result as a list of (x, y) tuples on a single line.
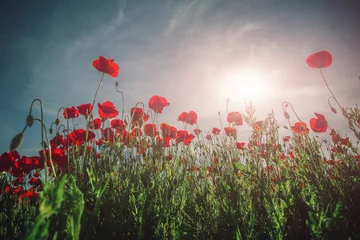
[(246, 84)]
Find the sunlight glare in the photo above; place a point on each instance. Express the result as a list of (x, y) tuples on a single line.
[(246, 84)]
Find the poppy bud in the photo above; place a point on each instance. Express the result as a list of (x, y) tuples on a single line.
[(286, 115), (16, 142), (116, 84), (333, 110), (29, 120), (57, 122)]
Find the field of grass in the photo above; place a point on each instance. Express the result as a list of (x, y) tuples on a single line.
[(127, 176)]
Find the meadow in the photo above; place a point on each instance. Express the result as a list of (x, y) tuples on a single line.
[(129, 176)]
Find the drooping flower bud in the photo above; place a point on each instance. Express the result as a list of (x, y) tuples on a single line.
[(57, 122), (50, 130), (29, 120), (286, 115), (16, 142), (116, 84)]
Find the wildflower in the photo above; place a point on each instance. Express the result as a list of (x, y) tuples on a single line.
[(57, 140), (216, 131), (300, 128), (117, 123), (208, 137), (7, 160), (230, 132), (85, 109), (27, 164), (258, 125), (107, 110), (197, 131), (322, 59), (168, 131), (107, 135), (150, 130), (95, 124), (71, 112), (318, 124), (235, 117), (78, 136), (184, 136), (240, 145), (286, 139), (138, 114), (190, 117), (157, 103), (106, 66)]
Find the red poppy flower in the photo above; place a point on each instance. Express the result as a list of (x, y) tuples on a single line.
[(286, 139), (71, 112), (107, 134), (300, 128), (318, 124), (322, 59), (235, 117), (59, 157), (7, 160), (106, 66), (197, 131), (216, 131), (208, 137), (336, 138), (95, 124), (27, 164), (164, 141), (167, 130), (258, 125), (117, 123), (137, 114), (78, 136), (240, 145), (230, 132), (136, 132), (184, 136), (57, 140), (150, 130), (157, 103), (107, 110), (85, 109), (190, 117)]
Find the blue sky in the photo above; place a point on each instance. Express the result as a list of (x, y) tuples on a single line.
[(188, 51)]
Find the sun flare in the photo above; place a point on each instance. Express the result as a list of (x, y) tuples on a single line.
[(245, 84)]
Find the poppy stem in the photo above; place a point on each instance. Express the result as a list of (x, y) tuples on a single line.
[(50, 155), (122, 101), (284, 109), (97, 90), (322, 75)]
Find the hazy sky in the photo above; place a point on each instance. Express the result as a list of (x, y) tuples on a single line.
[(191, 52)]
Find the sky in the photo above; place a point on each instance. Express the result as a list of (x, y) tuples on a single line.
[(197, 54)]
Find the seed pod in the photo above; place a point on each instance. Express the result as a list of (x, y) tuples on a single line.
[(16, 142), (29, 120)]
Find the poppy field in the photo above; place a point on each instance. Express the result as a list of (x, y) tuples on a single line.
[(131, 176)]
